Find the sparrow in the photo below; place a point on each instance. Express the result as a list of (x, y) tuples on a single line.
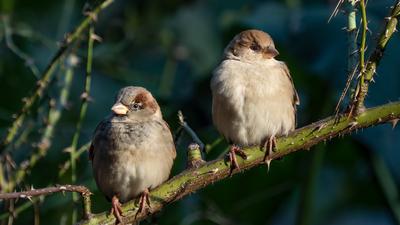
[(253, 95), (132, 149)]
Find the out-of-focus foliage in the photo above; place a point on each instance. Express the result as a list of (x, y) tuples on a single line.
[(171, 48)]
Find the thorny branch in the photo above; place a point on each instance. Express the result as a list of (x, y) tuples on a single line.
[(46, 77), (200, 176), (191, 180), (46, 191), (82, 190), (367, 72)]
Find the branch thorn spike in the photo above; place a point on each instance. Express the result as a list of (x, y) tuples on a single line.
[(394, 122)]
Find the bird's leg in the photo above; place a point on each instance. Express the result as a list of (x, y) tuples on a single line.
[(234, 149), (269, 147), (116, 209), (143, 201)]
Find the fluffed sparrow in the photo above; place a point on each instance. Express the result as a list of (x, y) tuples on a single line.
[(254, 99), (132, 149)]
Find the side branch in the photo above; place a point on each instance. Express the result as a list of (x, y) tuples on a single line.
[(191, 180), (46, 191), (82, 190), (369, 71)]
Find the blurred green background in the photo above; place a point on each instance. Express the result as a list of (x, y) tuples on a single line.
[(171, 48)]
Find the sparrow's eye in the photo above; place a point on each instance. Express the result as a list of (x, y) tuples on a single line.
[(136, 106), (255, 47)]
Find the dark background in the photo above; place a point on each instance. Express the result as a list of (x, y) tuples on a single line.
[(171, 48)]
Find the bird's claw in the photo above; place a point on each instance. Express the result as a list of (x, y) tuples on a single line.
[(269, 147), (116, 209), (143, 201), (232, 157)]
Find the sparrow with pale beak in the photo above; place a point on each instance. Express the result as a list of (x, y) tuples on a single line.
[(132, 149), (254, 99)]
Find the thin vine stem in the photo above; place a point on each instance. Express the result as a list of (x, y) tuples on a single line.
[(83, 109)]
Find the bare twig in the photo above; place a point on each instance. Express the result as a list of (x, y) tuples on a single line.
[(46, 191), (193, 179), (67, 165), (352, 50), (189, 130), (194, 159)]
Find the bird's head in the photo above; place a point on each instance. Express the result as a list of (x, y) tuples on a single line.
[(136, 103), (251, 45)]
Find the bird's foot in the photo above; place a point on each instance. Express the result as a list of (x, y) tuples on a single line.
[(116, 209), (144, 201), (234, 149), (269, 147)]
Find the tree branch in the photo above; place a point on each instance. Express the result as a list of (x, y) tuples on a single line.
[(46, 191), (191, 180), (82, 190), (370, 68)]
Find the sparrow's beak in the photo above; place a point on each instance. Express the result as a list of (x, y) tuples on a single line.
[(119, 109), (270, 52)]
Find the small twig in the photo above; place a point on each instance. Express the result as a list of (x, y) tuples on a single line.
[(46, 191), (18, 210), (352, 66), (84, 105), (65, 167), (189, 130), (47, 74), (363, 34), (36, 212), (194, 159)]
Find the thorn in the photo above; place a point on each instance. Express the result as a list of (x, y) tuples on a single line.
[(85, 96), (388, 18), (321, 126), (268, 162), (352, 125), (394, 122), (92, 15), (96, 37), (67, 150), (372, 80)]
